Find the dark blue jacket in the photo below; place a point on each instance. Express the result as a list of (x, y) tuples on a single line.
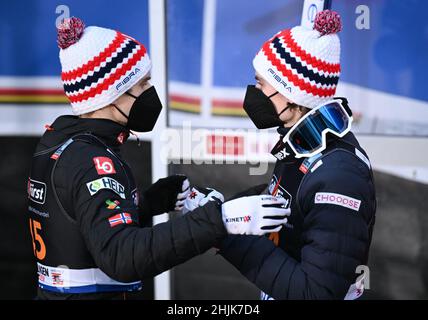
[(328, 235)]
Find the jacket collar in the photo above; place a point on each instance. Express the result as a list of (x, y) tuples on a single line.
[(111, 133)]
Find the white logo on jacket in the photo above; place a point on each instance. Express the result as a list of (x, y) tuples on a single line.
[(36, 191), (106, 183)]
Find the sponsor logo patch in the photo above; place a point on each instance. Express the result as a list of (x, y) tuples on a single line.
[(61, 149), (112, 204), (135, 197), (37, 191), (308, 162), (104, 165), (277, 190), (362, 157), (128, 77), (316, 165), (40, 213), (338, 199), (122, 137), (279, 79), (57, 279), (239, 219), (282, 154), (106, 183), (279, 151), (43, 272)]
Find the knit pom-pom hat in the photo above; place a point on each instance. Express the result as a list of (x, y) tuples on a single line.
[(98, 64), (302, 64)]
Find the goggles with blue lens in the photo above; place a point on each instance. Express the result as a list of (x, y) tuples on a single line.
[(308, 136)]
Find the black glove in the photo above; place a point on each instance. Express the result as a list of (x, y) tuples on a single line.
[(165, 195), (253, 191)]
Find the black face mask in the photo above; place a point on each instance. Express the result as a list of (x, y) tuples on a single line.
[(261, 109), (144, 111)]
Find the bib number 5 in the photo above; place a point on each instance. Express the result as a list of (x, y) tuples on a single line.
[(39, 247)]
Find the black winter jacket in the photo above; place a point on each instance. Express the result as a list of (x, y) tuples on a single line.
[(76, 225)]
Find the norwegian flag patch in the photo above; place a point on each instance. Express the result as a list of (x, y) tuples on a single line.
[(121, 218)]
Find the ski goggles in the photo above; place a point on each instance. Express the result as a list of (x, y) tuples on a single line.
[(308, 136)]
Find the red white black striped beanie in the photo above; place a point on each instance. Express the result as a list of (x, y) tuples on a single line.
[(98, 64), (303, 64)]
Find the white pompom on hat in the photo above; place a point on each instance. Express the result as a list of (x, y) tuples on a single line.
[(98, 64), (302, 64)]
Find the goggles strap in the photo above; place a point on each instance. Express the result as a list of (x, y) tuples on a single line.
[(345, 104)]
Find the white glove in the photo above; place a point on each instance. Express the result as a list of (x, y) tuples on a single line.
[(254, 215), (181, 197), (198, 197)]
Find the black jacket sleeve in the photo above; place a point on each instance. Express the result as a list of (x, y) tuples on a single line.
[(335, 239), (127, 252)]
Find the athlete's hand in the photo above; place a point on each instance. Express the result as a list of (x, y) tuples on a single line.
[(198, 197), (165, 195), (254, 215)]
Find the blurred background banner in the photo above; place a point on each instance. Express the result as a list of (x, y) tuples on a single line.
[(31, 93), (210, 47), (212, 44)]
